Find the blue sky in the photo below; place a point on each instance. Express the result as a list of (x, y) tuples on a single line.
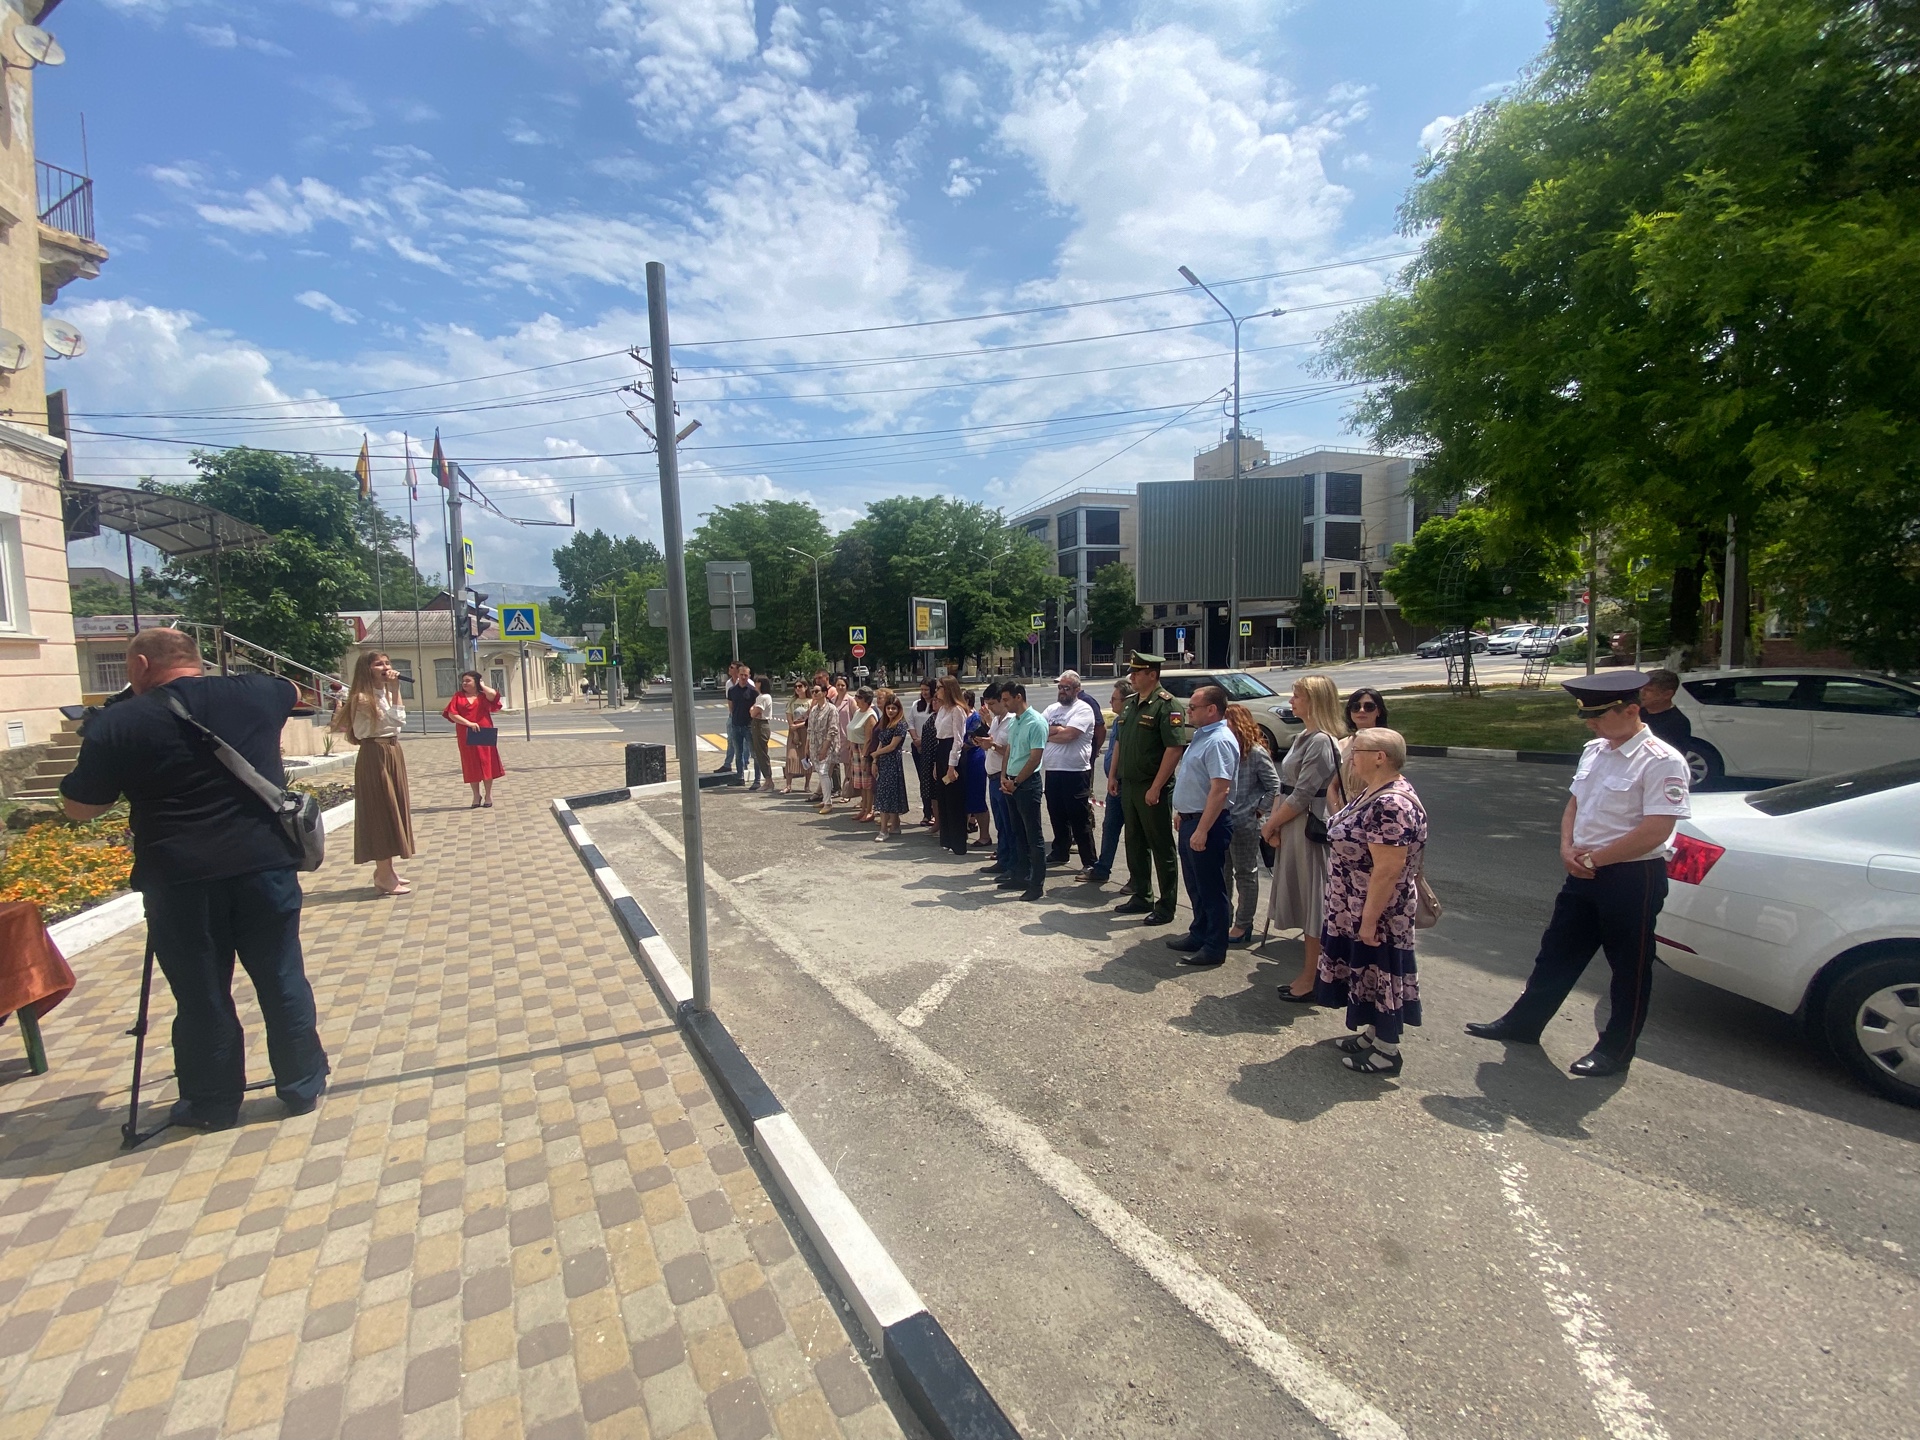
[(330, 217)]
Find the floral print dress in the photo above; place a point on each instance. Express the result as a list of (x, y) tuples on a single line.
[(1376, 983)]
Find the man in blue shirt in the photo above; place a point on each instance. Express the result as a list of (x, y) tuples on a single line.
[(1201, 787), (1020, 783)]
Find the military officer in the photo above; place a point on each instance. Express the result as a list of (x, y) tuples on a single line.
[(1152, 734), (1629, 791)]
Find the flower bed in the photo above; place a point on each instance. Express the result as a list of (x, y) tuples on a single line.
[(64, 868)]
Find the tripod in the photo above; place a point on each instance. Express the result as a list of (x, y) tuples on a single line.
[(131, 1134)]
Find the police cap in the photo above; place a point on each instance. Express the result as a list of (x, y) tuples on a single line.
[(1600, 692), (1144, 661)]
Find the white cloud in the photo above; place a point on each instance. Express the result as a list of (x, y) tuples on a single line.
[(962, 180), (278, 208), (328, 306), (1437, 131)]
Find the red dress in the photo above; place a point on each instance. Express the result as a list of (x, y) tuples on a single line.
[(477, 762)]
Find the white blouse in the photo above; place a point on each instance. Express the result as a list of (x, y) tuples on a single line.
[(388, 720), (950, 722)]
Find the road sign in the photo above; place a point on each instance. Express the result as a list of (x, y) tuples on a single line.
[(1180, 636), (1246, 629), (719, 592), (1033, 637), (859, 652), (731, 617), (657, 608), (466, 550), (519, 622), (929, 619), (856, 635), (596, 654), (1036, 621), (594, 629), (1077, 619)]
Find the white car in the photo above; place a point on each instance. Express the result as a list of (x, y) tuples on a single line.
[(1505, 642), (1789, 724), (1547, 639), (1807, 899)]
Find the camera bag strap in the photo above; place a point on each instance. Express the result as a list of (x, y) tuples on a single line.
[(298, 815)]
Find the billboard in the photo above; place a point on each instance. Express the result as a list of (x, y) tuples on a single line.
[(927, 622), (1186, 535)]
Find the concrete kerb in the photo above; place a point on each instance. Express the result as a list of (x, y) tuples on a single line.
[(1474, 752), (946, 1394)]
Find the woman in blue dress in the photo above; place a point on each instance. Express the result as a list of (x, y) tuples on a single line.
[(980, 821)]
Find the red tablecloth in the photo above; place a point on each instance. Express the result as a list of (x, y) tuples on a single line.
[(33, 973)]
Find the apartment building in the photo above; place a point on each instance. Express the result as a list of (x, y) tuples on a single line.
[(46, 242), (1087, 530)]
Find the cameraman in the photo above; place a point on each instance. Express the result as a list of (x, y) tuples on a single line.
[(215, 869)]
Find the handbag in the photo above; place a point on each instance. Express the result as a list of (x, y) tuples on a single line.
[(484, 736), (1427, 908), (295, 812)]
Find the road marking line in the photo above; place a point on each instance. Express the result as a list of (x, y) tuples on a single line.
[(915, 1015), (1623, 1408), (1323, 1394)]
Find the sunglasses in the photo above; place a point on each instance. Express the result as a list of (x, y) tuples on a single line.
[(1362, 705)]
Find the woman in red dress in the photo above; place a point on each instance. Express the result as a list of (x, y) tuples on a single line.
[(471, 712)]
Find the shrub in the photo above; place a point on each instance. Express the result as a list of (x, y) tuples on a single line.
[(64, 868)]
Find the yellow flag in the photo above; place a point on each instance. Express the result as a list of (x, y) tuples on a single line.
[(363, 467)]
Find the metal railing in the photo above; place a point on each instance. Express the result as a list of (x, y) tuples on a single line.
[(316, 687), (66, 200)]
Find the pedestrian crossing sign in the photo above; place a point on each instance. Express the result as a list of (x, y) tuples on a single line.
[(596, 654), (856, 634), (520, 622)]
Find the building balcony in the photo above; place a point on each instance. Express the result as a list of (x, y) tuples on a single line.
[(68, 250)]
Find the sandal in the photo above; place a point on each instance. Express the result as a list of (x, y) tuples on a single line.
[(1372, 1062), (1353, 1044)]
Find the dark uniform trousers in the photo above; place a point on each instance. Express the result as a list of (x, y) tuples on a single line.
[(1205, 872), (1615, 910), (197, 930), (1150, 853)]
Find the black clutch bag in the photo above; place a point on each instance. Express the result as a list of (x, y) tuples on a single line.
[(485, 736)]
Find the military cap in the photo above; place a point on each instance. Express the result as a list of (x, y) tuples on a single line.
[(1600, 692), (1144, 661)]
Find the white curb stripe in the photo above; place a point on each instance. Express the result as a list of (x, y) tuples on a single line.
[(854, 1254), (1335, 1404), (668, 973)]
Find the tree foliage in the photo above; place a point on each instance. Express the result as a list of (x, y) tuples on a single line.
[(320, 559), (766, 534), (1462, 569), (1112, 608), (1675, 276), (590, 561)]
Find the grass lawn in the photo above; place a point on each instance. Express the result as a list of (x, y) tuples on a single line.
[(1498, 720)]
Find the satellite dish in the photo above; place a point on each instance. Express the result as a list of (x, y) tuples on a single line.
[(38, 45), (13, 351), (63, 340)]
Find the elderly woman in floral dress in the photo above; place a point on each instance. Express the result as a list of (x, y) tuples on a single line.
[(1366, 942)]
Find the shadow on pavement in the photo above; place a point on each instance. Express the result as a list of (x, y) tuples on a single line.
[(1305, 1083), (1255, 1010), (1528, 1086)]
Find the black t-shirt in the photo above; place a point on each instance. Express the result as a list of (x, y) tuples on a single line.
[(192, 819), (1670, 725), (740, 700)]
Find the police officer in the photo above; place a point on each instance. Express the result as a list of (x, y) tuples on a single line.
[(1628, 793), (1152, 733)]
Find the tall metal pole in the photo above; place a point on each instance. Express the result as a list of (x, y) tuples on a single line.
[(1728, 651), (526, 695), (819, 634), (679, 634), (733, 612), (413, 556), (457, 574)]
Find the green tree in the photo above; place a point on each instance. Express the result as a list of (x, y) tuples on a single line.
[(1462, 569), (1112, 610), (588, 562), (766, 534), (1672, 275), (643, 647), (97, 597), (319, 559), (1310, 610)]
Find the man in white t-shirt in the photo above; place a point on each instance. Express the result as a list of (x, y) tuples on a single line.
[(1068, 768)]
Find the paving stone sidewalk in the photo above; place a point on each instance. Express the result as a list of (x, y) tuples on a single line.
[(519, 1211)]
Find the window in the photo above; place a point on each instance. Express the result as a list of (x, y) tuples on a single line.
[(1347, 582), (1313, 488), (1069, 529), (109, 670), (1343, 540), (1343, 494), (1159, 612), (405, 667), (1096, 559), (1103, 527), (1755, 692), (1070, 565), (1306, 543), (1244, 687), (1867, 697), (13, 577), (445, 679), (1829, 789), (1038, 529)]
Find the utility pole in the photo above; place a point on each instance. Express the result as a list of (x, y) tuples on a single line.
[(1233, 502), (679, 633), (457, 572)]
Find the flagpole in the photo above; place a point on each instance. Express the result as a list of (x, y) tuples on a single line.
[(413, 555)]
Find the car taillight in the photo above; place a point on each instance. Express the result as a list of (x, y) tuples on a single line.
[(1692, 859)]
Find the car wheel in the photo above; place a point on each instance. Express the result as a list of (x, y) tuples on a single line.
[(1873, 1023), (1704, 766)]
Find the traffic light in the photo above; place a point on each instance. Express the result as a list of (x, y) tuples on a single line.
[(480, 614)]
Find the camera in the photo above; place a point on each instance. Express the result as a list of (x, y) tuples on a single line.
[(85, 713)]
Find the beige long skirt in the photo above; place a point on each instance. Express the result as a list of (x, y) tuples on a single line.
[(382, 809)]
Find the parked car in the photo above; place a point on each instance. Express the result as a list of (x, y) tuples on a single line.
[(1545, 639), (1265, 703), (1505, 642), (1790, 724), (1806, 898), (1452, 643)]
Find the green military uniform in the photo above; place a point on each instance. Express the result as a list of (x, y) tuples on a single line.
[(1149, 726)]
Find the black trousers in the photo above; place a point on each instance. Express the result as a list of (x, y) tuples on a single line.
[(1613, 911), (950, 796), (1070, 808), (197, 931), (1029, 846), (1205, 874)]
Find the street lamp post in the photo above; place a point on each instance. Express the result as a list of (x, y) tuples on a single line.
[(1233, 493), (819, 634)]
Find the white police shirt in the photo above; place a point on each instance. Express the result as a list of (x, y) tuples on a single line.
[(1615, 789)]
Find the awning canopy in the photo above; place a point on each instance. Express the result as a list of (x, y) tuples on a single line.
[(177, 528)]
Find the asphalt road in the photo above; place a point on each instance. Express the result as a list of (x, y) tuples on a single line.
[(1150, 1202)]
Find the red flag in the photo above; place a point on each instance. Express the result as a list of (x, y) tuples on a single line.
[(442, 471)]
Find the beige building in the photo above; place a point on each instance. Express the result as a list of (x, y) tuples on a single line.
[(46, 241), (431, 659)]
